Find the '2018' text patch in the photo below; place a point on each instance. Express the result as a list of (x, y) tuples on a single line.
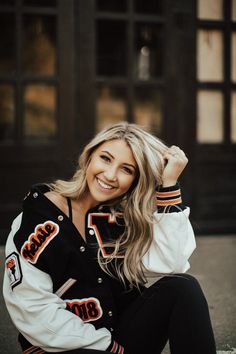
[(88, 309)]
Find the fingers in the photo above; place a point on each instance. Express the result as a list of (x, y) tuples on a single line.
[(176, 152), (176, 161)]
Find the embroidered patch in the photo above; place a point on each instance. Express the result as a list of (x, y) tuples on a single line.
[(98, 230), (39, 240), (14, 269), (88, 309)]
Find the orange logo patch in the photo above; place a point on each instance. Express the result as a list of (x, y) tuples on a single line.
[(38, 240), (88, 309), (14, 269)]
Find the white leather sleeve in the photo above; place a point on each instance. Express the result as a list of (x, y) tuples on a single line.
[(40, 315), (172, 245)]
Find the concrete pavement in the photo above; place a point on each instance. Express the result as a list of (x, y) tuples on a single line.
[(213, 264)]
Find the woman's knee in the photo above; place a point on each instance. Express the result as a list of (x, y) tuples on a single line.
[(182, 284), (178, 288), (189, 289), (186, 281)]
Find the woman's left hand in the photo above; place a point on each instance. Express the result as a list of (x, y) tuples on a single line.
[(176, 162)]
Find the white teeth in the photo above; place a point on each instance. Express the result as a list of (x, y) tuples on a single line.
[(104, 185)]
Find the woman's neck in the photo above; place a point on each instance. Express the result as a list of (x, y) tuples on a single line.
[(86, 202)]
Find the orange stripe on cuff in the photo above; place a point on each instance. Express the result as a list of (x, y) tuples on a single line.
[(33, 350), (29, 350), (114, 347), (169, 202), (121, 350), (168, 194)]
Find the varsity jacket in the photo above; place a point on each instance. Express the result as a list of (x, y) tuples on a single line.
[(55, 291)]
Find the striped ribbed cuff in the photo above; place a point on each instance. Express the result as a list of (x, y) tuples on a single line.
[(168, 199), (116, 348), (169, 196)]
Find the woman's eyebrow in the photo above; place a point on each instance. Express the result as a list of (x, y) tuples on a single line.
[(125, 163), (108, 153)]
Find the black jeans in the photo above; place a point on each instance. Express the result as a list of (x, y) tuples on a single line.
[(173, 308)]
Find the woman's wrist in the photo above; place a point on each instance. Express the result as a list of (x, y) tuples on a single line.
[(168, 183)]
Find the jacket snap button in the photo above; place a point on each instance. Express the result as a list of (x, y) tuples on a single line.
[(82, 249), (100, 280), (60, 218), (35, 195), (110, 313), (91, 232), (111, 329)]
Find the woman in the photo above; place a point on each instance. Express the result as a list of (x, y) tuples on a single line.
[(95, 264)]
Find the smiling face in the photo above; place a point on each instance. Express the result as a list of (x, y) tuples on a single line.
[(111, 171)]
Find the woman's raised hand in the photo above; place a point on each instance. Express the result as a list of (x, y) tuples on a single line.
[(176, 161)]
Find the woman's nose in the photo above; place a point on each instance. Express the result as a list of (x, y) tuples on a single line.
[(110, 174)]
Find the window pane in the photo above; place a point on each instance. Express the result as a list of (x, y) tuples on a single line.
[(40, 111), (8, 41), (209, 55), (39, 49), (149, 7), (40, 2), (111, 48), (149, 51), (210, 117), (210, 9), (111, 5), (7, 112), (111, 106), (233, 117), (148, 109), (233, 56), (234, 10)]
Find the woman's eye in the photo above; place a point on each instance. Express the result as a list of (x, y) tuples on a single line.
[(128, 170), (105, 158)]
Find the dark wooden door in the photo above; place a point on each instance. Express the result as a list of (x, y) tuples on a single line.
[(215, 142)]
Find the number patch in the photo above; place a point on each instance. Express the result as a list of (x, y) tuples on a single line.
[(88, 309)]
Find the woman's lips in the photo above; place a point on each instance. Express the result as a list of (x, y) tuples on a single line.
[(104, 186)]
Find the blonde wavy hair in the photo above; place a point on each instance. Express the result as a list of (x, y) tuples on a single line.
[(136, 206)]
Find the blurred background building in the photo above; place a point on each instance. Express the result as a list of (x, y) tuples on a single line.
[(70, 67)]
